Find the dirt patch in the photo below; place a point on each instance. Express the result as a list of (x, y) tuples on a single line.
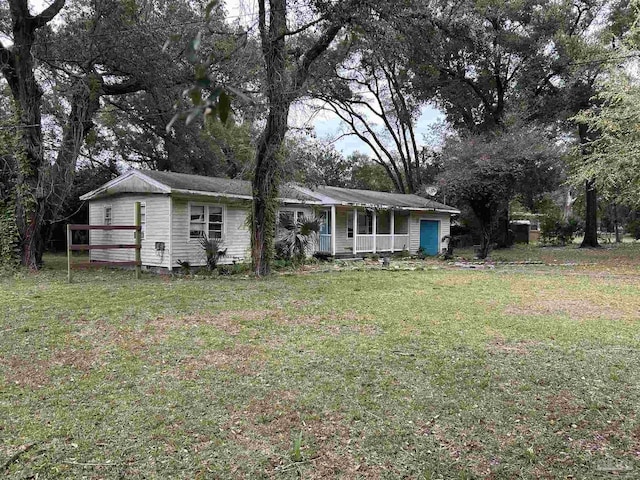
[(499, 344), (241, 359), (270, 424), (36, 373), (562, 405), (576, 309)]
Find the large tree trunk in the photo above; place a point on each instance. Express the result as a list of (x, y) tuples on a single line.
[(265, 189), (591, 216), (18, 69), (591, 197)]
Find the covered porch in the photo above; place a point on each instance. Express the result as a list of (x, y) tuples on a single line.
[(360, 230)]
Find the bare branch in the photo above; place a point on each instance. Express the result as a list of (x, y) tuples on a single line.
[(47, 15)]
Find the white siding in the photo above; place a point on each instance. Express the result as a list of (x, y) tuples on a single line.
[(343, 243), (236, 234), (122, 213), (414, 228)]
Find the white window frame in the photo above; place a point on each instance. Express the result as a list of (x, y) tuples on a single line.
[(107, 220), (206, 206), (143, 223)]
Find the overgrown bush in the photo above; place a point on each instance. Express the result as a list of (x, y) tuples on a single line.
[(557, 231), (633, 228), (234, 269)]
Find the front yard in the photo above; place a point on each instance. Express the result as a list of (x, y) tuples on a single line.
[(527, 372)]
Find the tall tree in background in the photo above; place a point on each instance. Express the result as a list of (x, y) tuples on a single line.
[(371, 93), (284, 80)]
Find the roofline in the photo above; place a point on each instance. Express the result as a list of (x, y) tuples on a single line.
[(131, 173), (240, 197), (321, 198)]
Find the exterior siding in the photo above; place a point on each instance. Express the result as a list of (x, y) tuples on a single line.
[(235, 234), (414, 228), (343, 243), (122, 213)]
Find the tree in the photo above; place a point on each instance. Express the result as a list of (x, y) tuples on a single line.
[(18, 69), (612, 159), (485, 172), (284, 81), (371, 93)]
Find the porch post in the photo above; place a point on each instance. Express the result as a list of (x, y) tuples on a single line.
[(375, 228), (333, 230), (355, 229), (393, 230)]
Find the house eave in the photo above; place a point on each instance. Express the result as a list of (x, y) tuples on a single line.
[(201, 193)]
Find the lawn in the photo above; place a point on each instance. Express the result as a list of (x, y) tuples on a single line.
[(434, 372)]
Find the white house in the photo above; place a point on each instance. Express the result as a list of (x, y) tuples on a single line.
[(177, 209)]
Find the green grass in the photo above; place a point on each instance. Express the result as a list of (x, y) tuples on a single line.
[(431, 373)]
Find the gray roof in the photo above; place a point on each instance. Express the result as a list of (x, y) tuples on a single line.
[(186, 184), (199, 183), (353, 196)]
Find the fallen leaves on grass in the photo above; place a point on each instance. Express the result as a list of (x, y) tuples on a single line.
[(36, 373), (267, 426)]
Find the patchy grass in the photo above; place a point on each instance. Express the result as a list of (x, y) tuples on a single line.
[(431, 373), (610, 256)]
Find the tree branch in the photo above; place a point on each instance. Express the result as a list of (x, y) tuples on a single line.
[(47, 15)]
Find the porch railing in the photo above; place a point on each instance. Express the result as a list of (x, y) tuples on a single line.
[(364, 243), (324, 243), (400, 242)]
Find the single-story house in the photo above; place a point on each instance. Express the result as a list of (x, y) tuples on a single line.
[(177, 209)]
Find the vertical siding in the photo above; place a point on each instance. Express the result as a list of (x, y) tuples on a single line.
[(414, 228), (123, 213), (236, 235)]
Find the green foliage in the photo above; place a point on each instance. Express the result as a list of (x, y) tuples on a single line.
[(613, 157), (485, 172), (296, 237), (296, 449), (185, 266), (633, 228), (9, 237), (234, 269), (557, 231), (213, 251)]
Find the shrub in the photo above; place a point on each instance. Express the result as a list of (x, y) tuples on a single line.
[(556, 231), (213, 250), (234, 269), (296, 236), (633, 228)]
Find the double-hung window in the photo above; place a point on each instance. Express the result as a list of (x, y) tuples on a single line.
[(108, 219), (143, 220), (206, 220)]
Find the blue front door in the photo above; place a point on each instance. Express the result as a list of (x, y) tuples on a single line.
[(429, 237)]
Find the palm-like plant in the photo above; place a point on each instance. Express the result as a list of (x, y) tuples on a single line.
[(213, 250), (297, 236)]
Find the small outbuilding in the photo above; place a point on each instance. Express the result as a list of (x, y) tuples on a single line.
[(178, 209)]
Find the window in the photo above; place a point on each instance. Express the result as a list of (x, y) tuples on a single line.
[(365, 223), (401, 226), (107, 215), (384, 222), (143, 220), (205, 220)]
